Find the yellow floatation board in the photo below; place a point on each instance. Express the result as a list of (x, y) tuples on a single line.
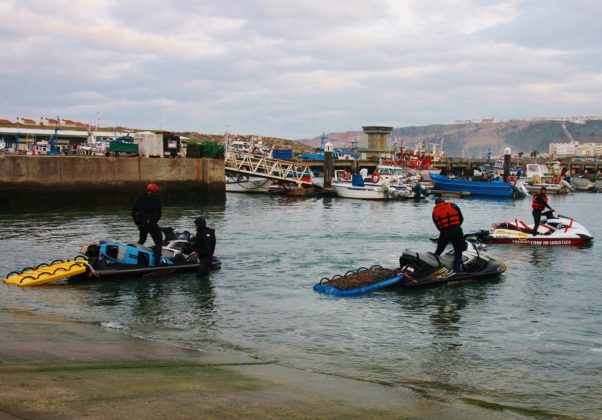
[(47, 273)]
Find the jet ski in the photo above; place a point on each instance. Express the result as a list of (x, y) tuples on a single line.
[(416, 269), (552, 230), (109, 258), (428, 269)]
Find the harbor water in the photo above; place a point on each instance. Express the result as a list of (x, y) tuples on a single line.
[(529, 341)]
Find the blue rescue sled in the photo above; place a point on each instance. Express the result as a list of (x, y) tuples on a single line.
[(329, 290)]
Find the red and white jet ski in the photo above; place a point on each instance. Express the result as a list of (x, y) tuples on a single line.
[(553, 230)]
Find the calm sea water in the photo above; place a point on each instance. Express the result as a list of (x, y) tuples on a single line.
[(530, 340)]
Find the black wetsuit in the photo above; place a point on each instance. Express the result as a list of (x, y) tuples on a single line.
[(146, 214), (539, 201), (204, 245)]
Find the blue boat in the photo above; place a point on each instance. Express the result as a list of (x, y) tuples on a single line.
[(482, 188)]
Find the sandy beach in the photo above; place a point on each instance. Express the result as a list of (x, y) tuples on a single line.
[(53, 368)]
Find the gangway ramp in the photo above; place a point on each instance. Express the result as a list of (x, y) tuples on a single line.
[(261, 166)]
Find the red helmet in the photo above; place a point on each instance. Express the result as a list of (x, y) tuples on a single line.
[(152, 188)]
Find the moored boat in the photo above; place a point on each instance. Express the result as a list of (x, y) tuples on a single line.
[(478, 188), (386, 183), (247, 184)]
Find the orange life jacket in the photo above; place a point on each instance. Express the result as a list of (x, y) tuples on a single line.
[(446, 215), (538, 205)]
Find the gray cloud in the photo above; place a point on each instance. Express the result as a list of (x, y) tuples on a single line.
[(295, 69)]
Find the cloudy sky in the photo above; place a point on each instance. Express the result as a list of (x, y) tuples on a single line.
[(294, 69)]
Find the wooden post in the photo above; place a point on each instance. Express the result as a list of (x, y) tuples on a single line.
[(507, 157), (328, 168)]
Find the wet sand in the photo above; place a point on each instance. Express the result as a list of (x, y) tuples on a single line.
[(51, 368)]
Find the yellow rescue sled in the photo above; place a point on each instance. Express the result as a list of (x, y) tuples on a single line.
[(47, 273)]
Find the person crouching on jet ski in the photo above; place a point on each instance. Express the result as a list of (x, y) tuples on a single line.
[(204, 245), (448, 219), (539, 204), (146, 214)]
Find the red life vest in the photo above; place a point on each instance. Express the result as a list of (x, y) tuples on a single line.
[(539, 205), (446, 215)]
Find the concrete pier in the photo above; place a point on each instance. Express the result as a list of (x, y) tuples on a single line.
[(39, 180)]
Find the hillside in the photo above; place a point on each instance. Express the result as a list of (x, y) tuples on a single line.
[(475, 140)]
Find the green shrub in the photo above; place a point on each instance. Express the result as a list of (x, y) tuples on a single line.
[(207, 149)]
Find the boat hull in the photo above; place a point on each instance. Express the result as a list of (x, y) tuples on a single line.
[(253, 185), (371, 192), (479, 188)]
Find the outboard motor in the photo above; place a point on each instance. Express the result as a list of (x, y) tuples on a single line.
[(184, 236)]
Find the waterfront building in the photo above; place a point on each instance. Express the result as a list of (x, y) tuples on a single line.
[(574, 148)]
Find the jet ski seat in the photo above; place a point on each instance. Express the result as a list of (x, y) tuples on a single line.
[(428, 259)]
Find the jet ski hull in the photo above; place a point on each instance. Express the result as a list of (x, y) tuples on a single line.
[(537, 240), (427, 269), (128, 271), (552, 231), (417, 269)]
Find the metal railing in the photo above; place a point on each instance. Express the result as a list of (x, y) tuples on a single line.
[(261, 166)]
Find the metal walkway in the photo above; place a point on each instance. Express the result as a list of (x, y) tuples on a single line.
[(261, 166)]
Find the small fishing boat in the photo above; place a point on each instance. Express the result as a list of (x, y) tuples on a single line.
[(386, 183), (562, 187), (478, 188), (247, 184), (581, 183), (552, 230)]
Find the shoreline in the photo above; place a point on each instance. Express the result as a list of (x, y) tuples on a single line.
[(59, 368)]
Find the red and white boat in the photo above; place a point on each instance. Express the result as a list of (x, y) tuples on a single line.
[(553, 230)]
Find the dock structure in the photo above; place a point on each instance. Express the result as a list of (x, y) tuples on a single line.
[(264, 167)]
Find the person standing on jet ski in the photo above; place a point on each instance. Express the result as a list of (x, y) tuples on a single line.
[(146, 214), (448, 219), (539, 204), (204, 245)]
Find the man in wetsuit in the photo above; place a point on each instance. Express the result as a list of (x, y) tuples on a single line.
[(539, 204), (448, 219), (204, 245), (146, 214)]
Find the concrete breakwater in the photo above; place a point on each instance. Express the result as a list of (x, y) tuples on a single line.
[(80, 180)]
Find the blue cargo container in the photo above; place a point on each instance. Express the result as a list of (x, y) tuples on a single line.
[(282, 153)]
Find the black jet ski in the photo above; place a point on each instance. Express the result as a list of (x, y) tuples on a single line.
[(109, 258), (415, 269), (426, 268)]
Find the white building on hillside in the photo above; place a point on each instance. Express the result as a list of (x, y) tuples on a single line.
[(574, 148)]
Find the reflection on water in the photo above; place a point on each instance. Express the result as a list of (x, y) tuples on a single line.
[(529, 339)]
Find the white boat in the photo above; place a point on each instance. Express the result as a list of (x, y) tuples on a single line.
[(383, 191), (581, 184), (537, 176), (40, 148), (387, 183), (247, 184), (93, 146), (563, 187)]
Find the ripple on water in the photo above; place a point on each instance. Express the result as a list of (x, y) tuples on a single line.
[(529, 339)]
